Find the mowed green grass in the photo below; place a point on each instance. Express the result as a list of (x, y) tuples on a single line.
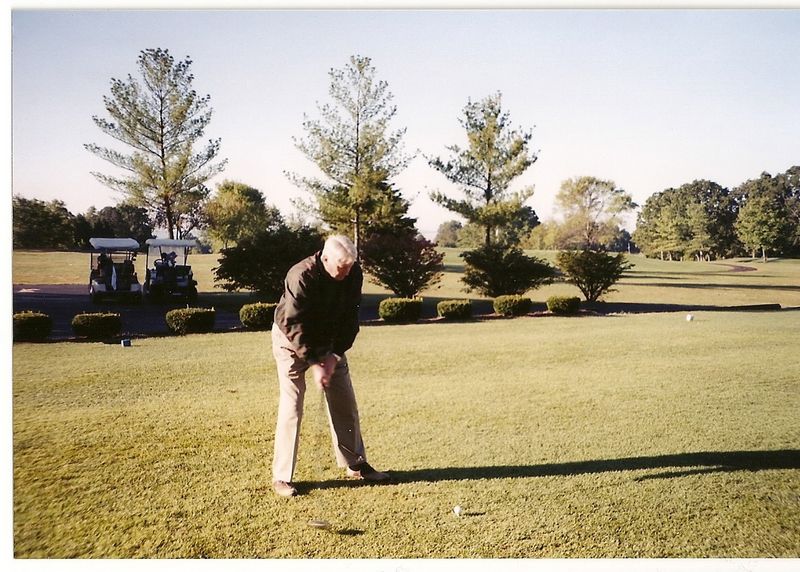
[(649, 281), (619, 436)]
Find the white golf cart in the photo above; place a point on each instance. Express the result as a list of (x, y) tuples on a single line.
[(111, 270), (169, 276)]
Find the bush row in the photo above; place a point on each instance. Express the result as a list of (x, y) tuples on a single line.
[(37, 326), (31, 326)]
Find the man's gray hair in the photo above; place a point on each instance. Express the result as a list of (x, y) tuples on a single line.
[(340, 248)]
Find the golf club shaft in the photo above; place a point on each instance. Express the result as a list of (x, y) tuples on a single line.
[(323, 428)]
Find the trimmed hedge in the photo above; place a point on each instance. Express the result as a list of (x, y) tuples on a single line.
[(512, 305), (564, 305), (257, 316), (183, 321), (400, 310), (97, 326), (454, 309), (30, 326)]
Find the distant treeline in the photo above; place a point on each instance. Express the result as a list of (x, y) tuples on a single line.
[(50, 225), (705, 221), (701, 220)]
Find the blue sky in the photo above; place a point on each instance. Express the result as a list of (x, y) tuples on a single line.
[(647, 98)]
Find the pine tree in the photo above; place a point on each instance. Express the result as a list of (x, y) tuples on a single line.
[(496, 155), (355, 149), (160, 117)]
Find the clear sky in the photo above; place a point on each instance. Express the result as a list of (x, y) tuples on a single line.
[(650, 99)]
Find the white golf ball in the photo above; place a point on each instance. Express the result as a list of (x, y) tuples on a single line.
[(689, 317), (457, 510)]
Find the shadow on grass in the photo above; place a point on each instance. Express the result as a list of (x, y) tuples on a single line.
[(712, 286), (703, 462), (679, 465), (644, 308)]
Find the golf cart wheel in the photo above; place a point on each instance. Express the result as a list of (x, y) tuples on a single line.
[(192, 296)]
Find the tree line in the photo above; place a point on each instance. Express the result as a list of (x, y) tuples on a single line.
[(705, 221), (163, 174), (50, 225), (700, 220)]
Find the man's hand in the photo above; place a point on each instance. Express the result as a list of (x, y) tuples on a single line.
[(323, 371)]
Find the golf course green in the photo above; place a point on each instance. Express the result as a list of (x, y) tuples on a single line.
[(622, 435)]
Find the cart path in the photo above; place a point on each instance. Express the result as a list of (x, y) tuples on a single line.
[(736, 267), (63, 301)]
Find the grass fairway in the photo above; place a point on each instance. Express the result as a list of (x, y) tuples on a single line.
[(648, 282), (622, 436)]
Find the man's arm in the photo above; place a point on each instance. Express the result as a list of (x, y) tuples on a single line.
[(296, 318), (349, 327)]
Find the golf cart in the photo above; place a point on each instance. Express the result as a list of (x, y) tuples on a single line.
[(111, 270), (166, 278)]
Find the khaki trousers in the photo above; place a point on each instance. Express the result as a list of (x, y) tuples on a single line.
[(348, 446)]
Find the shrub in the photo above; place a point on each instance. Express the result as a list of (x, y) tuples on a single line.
[(593, 272), (257, 316), (30, 326), (499, 270), (400, 310), (512, 305), (190, 320), (97, 326), (454, 309), (259, 263), (564, 304), (404, 262)]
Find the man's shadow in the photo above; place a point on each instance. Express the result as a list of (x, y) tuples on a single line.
[(672, 466)]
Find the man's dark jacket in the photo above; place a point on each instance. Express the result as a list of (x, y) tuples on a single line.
[(319, 315)]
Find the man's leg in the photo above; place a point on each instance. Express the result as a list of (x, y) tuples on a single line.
[(348, 446), (292, 383)]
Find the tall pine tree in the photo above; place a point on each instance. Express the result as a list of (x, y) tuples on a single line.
[(159, 119), (352, 144), (495, 155)]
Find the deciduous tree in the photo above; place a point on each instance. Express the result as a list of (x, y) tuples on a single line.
[(447, 234), (592, 211), (695, 219), (762, 224), (237, 211), (40, 224), (121, 221)]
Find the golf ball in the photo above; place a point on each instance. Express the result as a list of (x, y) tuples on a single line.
[(457, 510), (689, 317)]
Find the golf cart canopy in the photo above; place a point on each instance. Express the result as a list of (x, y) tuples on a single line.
[(114, 243), (171, 242)]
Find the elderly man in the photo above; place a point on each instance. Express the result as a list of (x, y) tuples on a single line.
[(316, 322)]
